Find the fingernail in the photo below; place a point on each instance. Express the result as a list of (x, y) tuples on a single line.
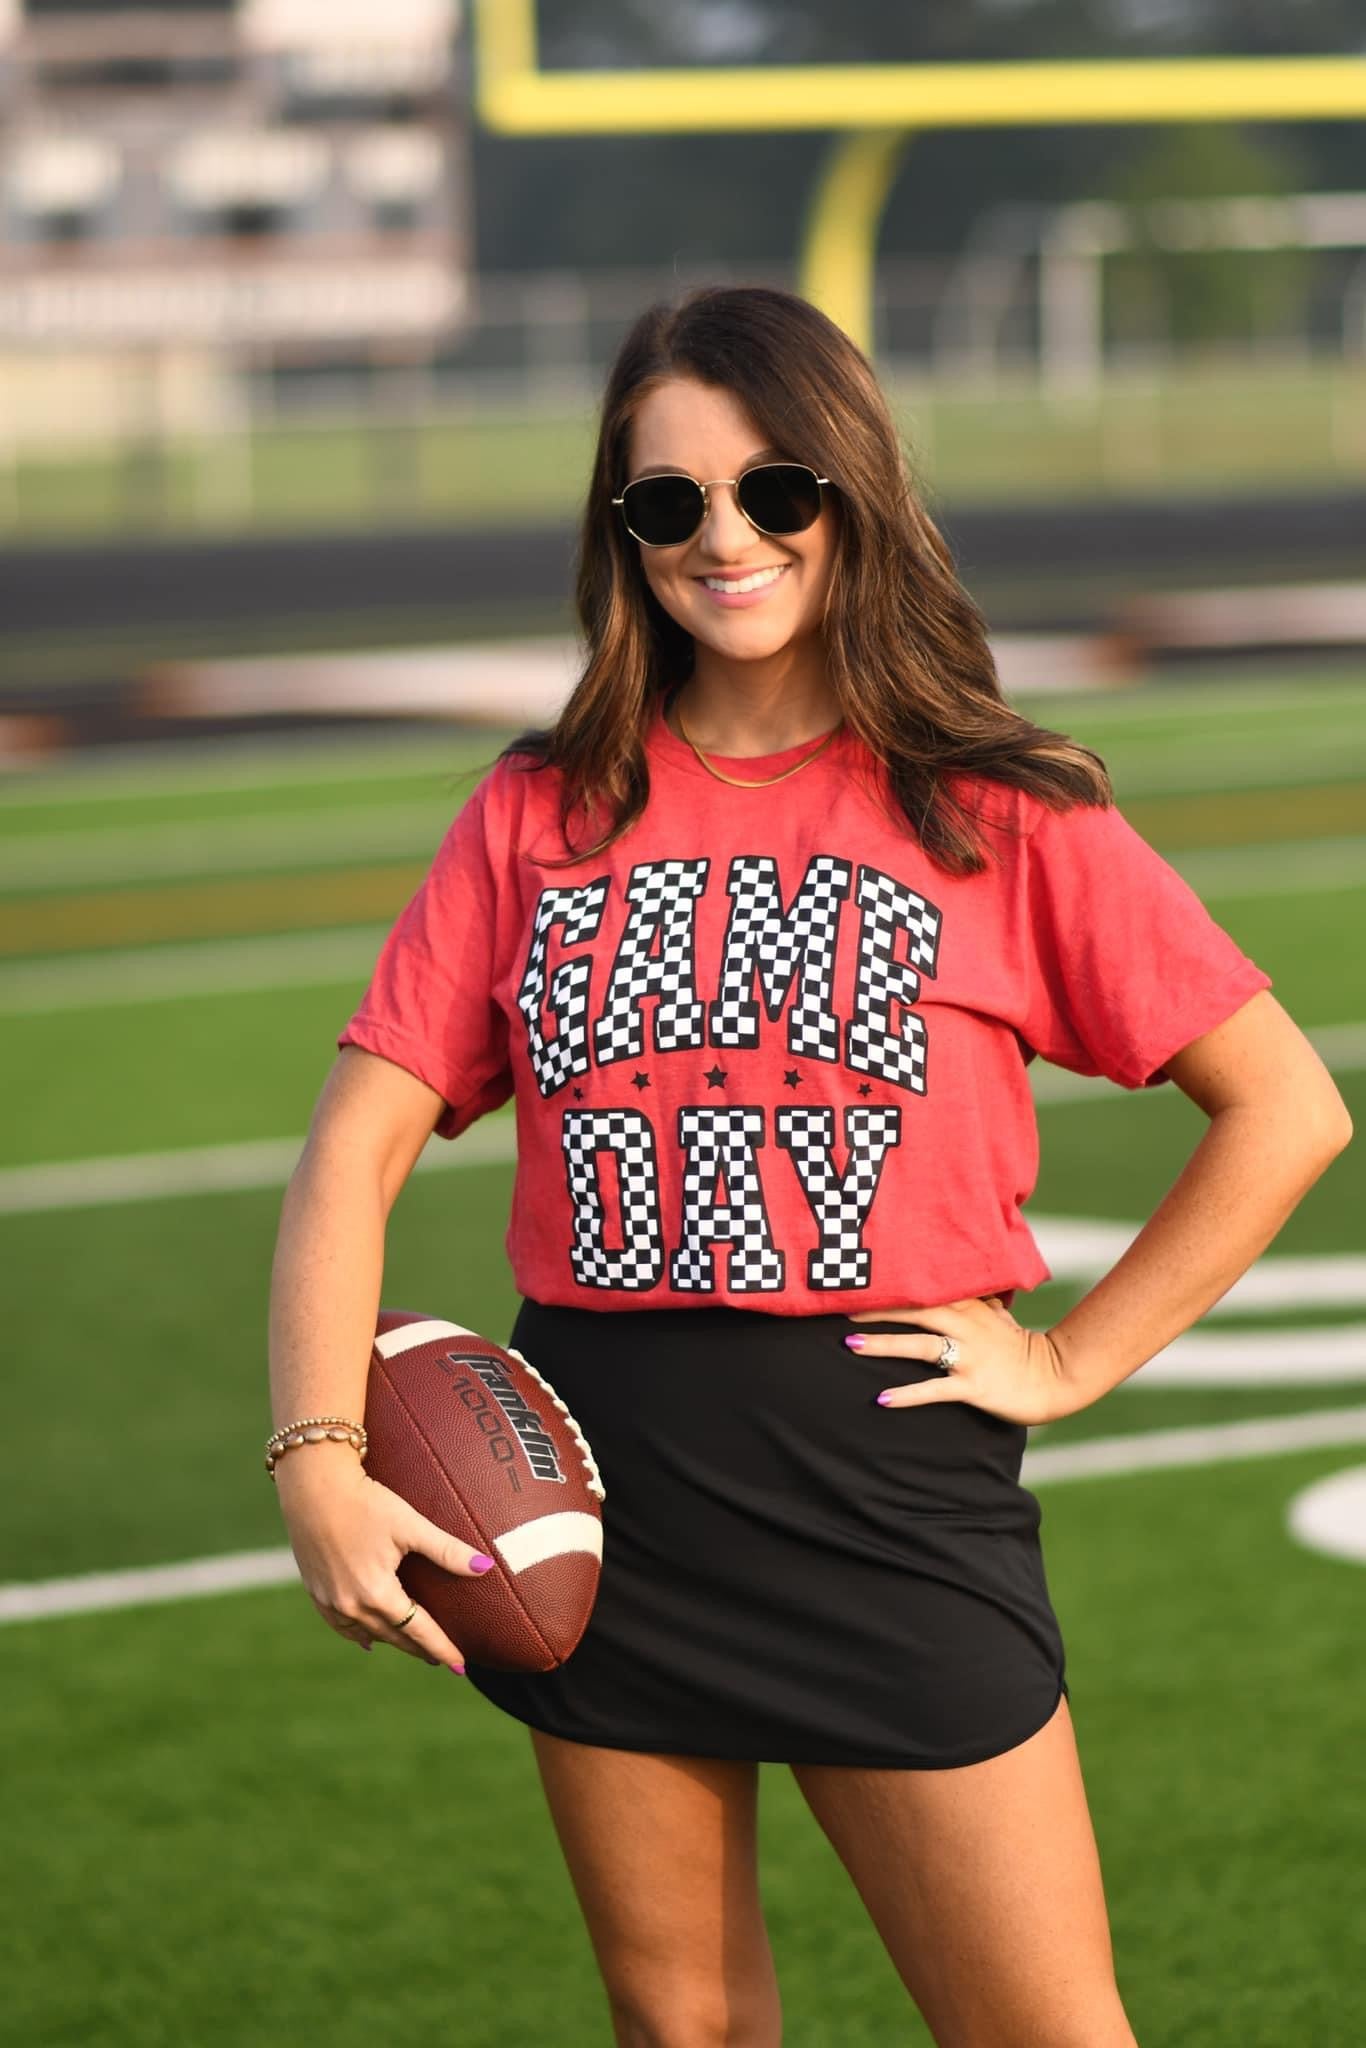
[(458, 1669), (856, 1343), (480, 1563), (367, 1647), (884, 1400)]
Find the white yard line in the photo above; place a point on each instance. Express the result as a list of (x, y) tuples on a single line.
[(183, 849), (1212, 697), (145, 1587), (1077, 1250), (193, 767), (268, 1162), (1341, 1047), (210, 967), (188, 849), (1104, 1458), (148, 974), (132, 774), (1312, 1355), (1273, 869), (1217, 763), (1216, 1443), (212, 1169), (1283, 1280)]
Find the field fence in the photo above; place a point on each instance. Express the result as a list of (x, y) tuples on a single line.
[(497, 421)]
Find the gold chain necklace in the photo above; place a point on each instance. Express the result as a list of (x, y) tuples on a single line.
[(739, 781)]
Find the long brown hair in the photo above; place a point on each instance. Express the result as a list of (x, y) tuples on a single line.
[(906, 647)]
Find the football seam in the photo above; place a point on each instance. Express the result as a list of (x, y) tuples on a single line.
[(397, 1392)]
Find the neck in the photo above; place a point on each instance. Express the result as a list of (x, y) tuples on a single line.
[(754, 708)]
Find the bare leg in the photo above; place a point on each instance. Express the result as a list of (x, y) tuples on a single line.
[(985, 1885), (663, 1857)]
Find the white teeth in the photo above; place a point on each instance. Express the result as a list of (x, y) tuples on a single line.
[(735, 587)]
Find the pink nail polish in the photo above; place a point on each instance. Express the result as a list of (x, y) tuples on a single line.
[(855, 1343), (884, 1400), (480, 1563), (458, 1669)]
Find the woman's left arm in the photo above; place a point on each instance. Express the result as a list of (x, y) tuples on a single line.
[(1276, 1120)]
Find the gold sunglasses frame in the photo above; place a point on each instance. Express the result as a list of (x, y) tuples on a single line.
[(706, 488)]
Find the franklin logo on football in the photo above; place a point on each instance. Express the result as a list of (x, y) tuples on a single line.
[(527, 1424)]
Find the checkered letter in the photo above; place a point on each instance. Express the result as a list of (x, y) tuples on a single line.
[(553, 1060), (840, 1202), (779, 946), (870, 1046), (638, 1261), (661, 896), (720, 1144)]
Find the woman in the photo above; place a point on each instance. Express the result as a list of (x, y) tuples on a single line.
[(762, 936)]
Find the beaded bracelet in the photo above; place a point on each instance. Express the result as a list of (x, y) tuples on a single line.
[(315, 1429)]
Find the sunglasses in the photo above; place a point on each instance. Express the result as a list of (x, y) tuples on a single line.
[(775, 497)]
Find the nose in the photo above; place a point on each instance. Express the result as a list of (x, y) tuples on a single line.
[(725, 533)]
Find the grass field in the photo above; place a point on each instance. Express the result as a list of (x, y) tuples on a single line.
[(222, 1827)]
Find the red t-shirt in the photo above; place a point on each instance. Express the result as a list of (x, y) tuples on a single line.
[(764, 1051)]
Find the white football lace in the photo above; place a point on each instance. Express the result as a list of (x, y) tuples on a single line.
[(595, 1484)]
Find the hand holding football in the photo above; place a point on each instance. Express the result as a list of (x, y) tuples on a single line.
[(473, 1437)]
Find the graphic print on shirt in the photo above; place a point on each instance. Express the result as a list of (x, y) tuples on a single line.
[(721, 1144), (772, 960), (629, 1137), (840, 1202), (554, 1061), (492, 980), (889, 907), (662, 896), (764, 941)]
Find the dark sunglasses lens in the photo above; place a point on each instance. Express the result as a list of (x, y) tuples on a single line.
[(663, 510), (781, 497)]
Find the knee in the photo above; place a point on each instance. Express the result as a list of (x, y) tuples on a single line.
[(1104, 2025), (1108, 2028), (697, 2018)]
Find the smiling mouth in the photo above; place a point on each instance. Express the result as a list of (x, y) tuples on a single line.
[(736, 586)]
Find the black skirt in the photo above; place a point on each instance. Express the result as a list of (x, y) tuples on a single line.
[(791, 1574)]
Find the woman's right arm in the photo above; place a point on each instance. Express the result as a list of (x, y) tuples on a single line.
[(349, 1534)]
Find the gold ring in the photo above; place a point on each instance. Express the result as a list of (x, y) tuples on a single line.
[(407, 1617)]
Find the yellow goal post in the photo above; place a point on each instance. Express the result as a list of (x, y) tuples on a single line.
[(872, 109)]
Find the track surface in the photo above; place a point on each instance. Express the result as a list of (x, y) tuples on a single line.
[(159, 582), (83, 624)]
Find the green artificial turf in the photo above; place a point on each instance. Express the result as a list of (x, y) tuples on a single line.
[(225, 1827), (230, 1828)]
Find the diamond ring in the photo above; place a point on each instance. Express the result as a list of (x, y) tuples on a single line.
[(948, 1354)]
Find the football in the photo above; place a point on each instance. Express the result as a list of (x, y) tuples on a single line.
[(470, 1435)]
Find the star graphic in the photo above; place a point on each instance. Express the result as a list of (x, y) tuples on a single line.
[(640, 1081), (715, 1077), (791, 1078), (578, 1095), (865, 1087)]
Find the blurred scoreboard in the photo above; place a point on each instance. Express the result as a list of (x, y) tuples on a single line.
[(286, 176)]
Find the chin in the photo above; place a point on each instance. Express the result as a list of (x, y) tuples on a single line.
[(744, 626), (754, 650)]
